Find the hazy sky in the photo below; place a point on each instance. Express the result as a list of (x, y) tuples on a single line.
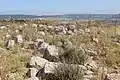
[(58, 6)]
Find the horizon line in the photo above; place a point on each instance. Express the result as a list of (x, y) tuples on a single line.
[(51, 14)]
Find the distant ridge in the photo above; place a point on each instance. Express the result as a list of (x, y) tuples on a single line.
[(68, 16), (17, 16)]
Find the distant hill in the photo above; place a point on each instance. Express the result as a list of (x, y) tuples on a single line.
[(68, 16), (18, 16)]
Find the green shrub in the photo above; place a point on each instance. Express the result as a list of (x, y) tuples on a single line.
[(66, 73)]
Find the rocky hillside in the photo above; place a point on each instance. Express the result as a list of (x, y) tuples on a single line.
[(54, 50)]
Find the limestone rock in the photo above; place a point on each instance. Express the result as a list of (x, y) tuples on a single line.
[(42, 47), (71, 27), (3, 27), (38, 61), (42, 33), (95, 40), (88, 72), (19, 39), (32, 72), (9, 44), (70, 32), (33, 78), (52, 50), (34, 25)]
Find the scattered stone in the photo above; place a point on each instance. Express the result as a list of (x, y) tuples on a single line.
[(42, 33), (71, 27), (17, 31), (50, 27), (33, 78), (42, 47), (31, 72), (88, 72), (34, 25), (95, 40), (8, 36), (81, 32), (52, 50), (21, 26), (19, 39), (9, 44), (87, 30), (70, 32), (3, 27)]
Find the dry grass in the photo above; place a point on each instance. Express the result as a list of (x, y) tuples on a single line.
[(14, 61)]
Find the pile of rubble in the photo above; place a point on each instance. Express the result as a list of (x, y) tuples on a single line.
[(47, 60), (47, 64)]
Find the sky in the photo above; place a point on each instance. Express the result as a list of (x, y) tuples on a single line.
[(43, 7)]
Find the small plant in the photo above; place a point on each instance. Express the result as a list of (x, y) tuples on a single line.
[(74, 56), (66, 73)]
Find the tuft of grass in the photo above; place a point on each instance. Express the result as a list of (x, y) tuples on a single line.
[(66, 73), (74, 56), (13, 67)]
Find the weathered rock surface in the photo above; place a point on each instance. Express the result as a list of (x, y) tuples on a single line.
[(52, 50), (9, 44), (31, 72), (19, 39), (38, 61), (33, 78)]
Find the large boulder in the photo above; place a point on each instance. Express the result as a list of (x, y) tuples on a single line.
[(49, 67), (51, 53), (52, 67), (37, 61)]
